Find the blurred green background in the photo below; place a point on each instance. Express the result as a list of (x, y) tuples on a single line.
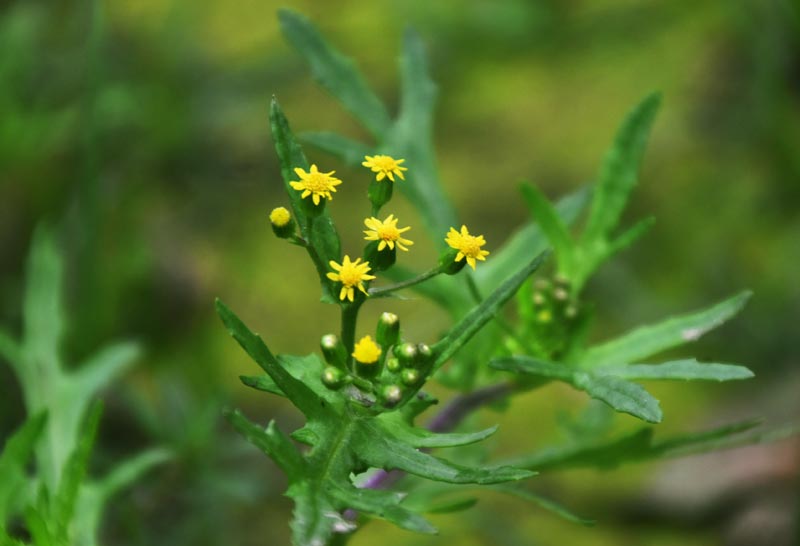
[(139, 128)]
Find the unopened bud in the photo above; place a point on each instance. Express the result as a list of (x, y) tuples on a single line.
[(388, 330), (538, 298), (333, 350), (542, 284), (393, 365), (544, 316), (333, 378), (410, 376), (391, 394), (560, 294), (282, 222), (571, 311), (406, 354)]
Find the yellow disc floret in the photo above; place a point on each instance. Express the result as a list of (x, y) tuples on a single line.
[(351, 275), (315, 183), (280, 217), (385, 166), (468, 246), (366, 351), (387, 233)]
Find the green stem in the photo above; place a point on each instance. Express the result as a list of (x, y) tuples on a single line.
[(349, 316), (384, 290), (474, 291)]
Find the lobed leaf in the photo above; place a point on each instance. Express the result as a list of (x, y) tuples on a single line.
[(646, 341), (335, 72), (272, 442)]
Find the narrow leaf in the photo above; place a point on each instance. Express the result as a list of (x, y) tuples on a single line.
[(300, 395), (348, 150), (14, 458), (335, 72), (482, 313), (395, 425), (271, 441), (554, 228), (535, 367), (647, 341), (383, 504), (620, 171), (104, 366), (630, 236), (545, 503), (129, 471), (623, 396), (10, 350), (688, 369)]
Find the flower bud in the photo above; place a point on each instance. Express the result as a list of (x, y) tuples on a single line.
[(333, 350), (571, 311), (388, 330), (393, 365), (333, 378), (406, 354), (410, 376), (391, 394), (544, 316), (282, 222), (560, 294), (538, 298)]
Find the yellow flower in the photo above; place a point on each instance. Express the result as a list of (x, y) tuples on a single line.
[(350, 274), (280, 217), (386, 232), (366, 351), (468, 246), (385, 166), (316, 184)]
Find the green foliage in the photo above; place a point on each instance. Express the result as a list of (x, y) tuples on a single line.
[(67, 508)]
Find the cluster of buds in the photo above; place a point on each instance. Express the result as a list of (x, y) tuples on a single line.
[(551, 315), (391, 369)]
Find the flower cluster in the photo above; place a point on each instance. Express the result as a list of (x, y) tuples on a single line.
[(384, 235)]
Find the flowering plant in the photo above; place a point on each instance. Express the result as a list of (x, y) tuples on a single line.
[(362, 399)]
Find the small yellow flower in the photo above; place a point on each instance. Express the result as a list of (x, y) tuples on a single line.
[(386, 232), (315, 183), (280, 217), (385, 166), (468, 246), (350, 274), (366, 351)]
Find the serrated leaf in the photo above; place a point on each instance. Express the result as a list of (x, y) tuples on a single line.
[(319, 231), (687, 369), (272, 442), (619, 171), (646, 341), (306, 369), (482, 313), (623, 396), (385, 505), (298, 392), (335, 72), (350, 151), (16, 454)]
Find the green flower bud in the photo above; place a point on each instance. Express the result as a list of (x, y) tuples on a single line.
[(333, 350), (560, 294), (544, 316), (406, 354), (538, 298), (542, 284), (333, 378), (410, 376), (391, 395), (388, 331), (282, 222), (571, 311), (393, 365)]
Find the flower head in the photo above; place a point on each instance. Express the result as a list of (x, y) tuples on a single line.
[(385, 166), (366, 351), (387, 233), (280, 217), (315, 183), (468, 246), (351, 275)]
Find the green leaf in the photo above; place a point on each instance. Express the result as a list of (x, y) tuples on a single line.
[(385, 505), (348, 150), (551, 224), (396, 424), (647, 341), (411, 137), (383, 451), (482, 313), (65, 499), (103, 367), (10, 350), (623, 396), (14, 460), (319, 231), (129, 471), (620, 171), (545, 503), (272, 442), (335, 72), (298, 392), (630, 236), (688, 369)]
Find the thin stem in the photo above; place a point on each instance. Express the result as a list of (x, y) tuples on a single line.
[(383, 290), (474, 291), (349, 316)]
